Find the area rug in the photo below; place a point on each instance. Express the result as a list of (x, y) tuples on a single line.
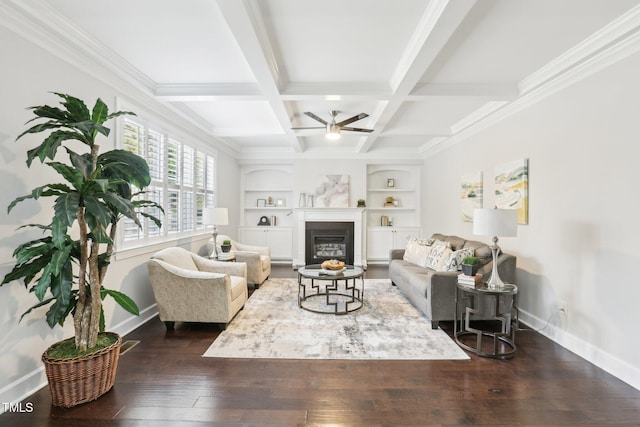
[(387, 327)]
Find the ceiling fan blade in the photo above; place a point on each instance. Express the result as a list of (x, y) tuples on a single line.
[(313, 127), (314, 117), (353, 119), (357, 129)]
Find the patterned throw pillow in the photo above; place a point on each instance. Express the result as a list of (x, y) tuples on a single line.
[(454, 260), (437, 250)]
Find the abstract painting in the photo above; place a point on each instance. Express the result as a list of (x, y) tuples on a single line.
[(471, 194), (512, 188), (333, 191)]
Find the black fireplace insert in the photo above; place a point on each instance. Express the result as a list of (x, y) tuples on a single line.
[(329, 240)]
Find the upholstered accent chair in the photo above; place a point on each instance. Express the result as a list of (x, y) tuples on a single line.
[(190, 288), (257, 258)]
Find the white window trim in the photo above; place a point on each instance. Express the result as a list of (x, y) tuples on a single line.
[(125, 249)]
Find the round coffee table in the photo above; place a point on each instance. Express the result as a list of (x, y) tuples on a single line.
[(321, 291)]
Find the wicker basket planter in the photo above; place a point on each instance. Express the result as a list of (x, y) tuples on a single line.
[(82, 379)]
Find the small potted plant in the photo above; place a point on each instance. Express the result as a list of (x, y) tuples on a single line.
[(226, 245), (470, 265)]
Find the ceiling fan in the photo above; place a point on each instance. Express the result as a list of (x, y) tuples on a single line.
[(333, 129)]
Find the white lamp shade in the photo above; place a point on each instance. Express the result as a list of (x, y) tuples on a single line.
[(215, 216), (495, 222)]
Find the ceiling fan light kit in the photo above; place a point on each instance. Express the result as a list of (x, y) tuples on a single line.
[(333, 129)]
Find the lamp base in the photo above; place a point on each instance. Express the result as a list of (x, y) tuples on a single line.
[(214, 254), (495, 282)]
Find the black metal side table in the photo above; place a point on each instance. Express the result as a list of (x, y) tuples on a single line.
[(472, 303)]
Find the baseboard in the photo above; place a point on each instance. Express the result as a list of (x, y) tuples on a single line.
[(30, 383), (618, 368)]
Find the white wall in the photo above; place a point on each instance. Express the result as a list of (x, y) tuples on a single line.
[(28, 73), (582, 240)]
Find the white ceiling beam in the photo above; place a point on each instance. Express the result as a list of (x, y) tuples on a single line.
[(245, 23), (335, 91), (488, 91), (439, 21)]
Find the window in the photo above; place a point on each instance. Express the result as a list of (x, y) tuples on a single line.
[(182, 182)]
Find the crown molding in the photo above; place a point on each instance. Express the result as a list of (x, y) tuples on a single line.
[(207, 91), (606, 38), (613, 43), (44, 26)]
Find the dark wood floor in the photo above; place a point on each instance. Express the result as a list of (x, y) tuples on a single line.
[(164, 381)]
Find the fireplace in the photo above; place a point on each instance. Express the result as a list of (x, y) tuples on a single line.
[(350, 218), (329, 240)]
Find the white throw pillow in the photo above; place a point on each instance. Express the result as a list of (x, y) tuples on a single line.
[(416, 253)]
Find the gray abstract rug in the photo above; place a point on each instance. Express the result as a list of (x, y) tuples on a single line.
[(388, 327)]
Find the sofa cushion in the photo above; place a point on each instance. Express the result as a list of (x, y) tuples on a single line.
[(482, 251), (416, 253), (437, 252)]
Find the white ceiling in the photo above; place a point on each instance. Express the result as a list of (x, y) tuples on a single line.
[(246, 70)]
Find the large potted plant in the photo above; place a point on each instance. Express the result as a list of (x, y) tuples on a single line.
[(66, 268)]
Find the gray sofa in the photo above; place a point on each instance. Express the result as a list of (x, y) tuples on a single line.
[(433, 292)]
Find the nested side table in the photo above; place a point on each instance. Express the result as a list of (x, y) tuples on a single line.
[(469, 305)]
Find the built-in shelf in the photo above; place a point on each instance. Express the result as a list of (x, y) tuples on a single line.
[(405, 218)]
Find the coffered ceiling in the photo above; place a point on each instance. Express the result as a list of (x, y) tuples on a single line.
[(424, 71)]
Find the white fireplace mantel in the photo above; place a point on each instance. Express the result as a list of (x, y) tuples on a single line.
[(354, 215)]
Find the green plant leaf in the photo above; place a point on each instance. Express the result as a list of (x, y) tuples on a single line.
[(44, 282), (69, 173), (100, 112), (98, 210), (121, 206), (82, 162), (125, 165), (66, 207), (58, 233), (77, 109), (38, 305), (50, 145), (123, 300), (61, 289)]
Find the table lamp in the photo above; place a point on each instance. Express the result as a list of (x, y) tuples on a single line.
[(495, 222), (215, 217)]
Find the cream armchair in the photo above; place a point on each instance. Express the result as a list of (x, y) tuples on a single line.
[(258, 258), (190, 288)]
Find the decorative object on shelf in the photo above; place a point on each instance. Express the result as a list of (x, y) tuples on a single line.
[(495, 222), (390, 222), (273, 220), (512, 188), (270, 203), (264, 221), (226, 245), (391, 183), (384, 221), (281, 203), (261, 203), (390, 202), (470, 265), (302, 201), (361, 203), (215, 217), (333, 191), (471, 194), (310, 201)]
